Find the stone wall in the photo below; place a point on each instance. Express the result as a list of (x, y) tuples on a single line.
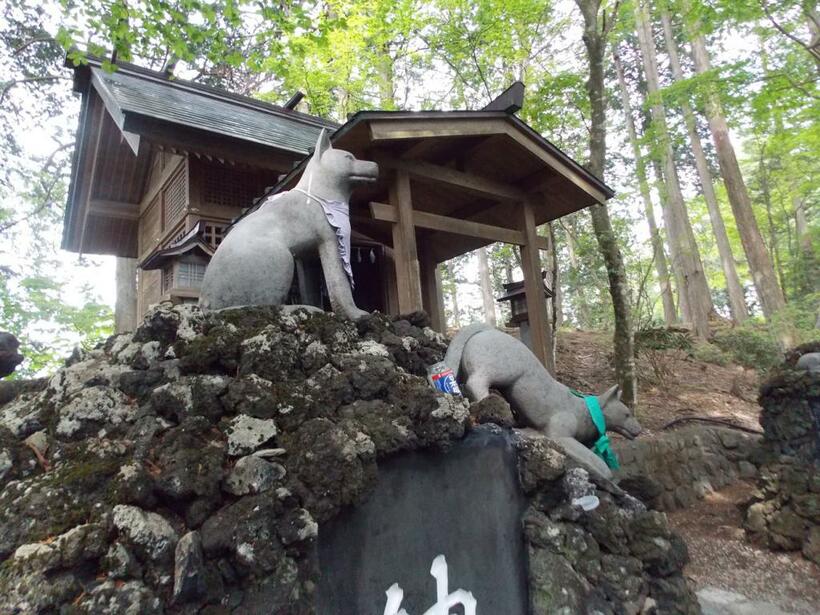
[(785, 512), (673, 470)]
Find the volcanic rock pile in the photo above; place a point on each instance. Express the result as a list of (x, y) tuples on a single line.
[(188, 467), (785, 512)]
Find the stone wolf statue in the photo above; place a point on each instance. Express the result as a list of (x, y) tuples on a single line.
[(254, 263), (483, 357)]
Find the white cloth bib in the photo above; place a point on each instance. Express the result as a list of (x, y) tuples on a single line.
[(338, 216)]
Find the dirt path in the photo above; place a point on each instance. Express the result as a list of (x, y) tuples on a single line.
[(721, 557)]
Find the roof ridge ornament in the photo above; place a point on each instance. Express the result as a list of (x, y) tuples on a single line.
[(509, 101)]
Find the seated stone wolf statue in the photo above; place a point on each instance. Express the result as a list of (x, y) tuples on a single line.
[(254, 263), (483, 357)]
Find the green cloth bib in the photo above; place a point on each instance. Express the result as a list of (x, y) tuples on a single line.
[(601, 447)]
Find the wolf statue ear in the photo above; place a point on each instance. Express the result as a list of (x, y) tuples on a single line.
[(611, 393), (322, 144)]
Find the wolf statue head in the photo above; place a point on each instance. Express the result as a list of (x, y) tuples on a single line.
[(619, 418), (331, 174)]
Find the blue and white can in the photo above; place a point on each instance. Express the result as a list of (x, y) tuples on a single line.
[(443, 379)]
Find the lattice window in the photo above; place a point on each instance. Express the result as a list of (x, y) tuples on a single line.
[(175, 198), (213, 233), (229, 187), (167, 278), (190, 275)]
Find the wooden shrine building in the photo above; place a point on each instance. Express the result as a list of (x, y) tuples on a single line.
[(163, 166)]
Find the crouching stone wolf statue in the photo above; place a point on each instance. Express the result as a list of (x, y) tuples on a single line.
[(254, 263), (483, 357)]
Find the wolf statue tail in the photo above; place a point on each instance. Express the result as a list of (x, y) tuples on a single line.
[(456, 348)]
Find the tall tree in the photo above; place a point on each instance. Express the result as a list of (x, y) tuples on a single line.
[(598, 23), (486, 284), (760, 263), (658, 252), (685, 254), (737, 301)]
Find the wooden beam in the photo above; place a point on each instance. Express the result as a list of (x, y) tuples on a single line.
[(434, 222), (467, 182), (534, 288), (404, 245), (417, 128), (115, 209)]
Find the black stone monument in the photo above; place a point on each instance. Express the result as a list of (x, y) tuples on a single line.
[(465, 504)]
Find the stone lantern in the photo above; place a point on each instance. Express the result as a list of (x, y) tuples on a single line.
[(515, 293)]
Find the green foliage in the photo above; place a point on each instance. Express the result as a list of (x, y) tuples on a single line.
[(662, 348), (709, 353), (348, 55), (663, 338), (798, 320), (34, 309), (751, 345)]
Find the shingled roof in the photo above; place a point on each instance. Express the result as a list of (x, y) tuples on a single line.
[(131, 92), (128, 113)]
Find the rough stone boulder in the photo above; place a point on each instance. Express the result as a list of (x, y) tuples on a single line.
[(784, 513), (189, 466)]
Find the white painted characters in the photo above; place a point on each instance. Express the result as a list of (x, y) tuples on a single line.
[(444, 600)]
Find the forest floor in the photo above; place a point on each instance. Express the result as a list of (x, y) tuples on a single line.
[(691, 388), (720, 555)]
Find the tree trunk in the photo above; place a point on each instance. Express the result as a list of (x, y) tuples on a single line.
[(680, 287), (486, 287), (125, 307), (579, 297), (387, 87), (553, 308), (808, 281), (555, 284), (659, 254), (737, 301), (595, 41), (760, 265), (451, 273), (679, 230), (774, 252)]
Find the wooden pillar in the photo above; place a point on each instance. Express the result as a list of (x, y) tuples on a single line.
[(404, 245), (536, 306), (125, 308), (431, 289)]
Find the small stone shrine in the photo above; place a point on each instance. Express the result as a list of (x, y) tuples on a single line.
[(261, 460), (785, 512)]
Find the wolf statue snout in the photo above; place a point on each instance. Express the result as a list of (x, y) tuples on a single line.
[(254, 263)]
